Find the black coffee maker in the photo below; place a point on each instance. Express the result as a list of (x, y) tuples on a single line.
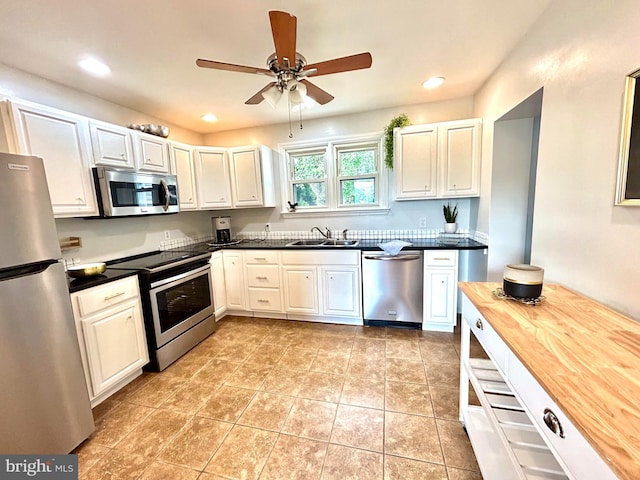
[(222, 229)]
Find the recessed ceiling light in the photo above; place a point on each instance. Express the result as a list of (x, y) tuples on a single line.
[(209, 117), (94, 66), (433, 82)]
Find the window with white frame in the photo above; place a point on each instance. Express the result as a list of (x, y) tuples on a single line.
[(357, 174), (342, 174)]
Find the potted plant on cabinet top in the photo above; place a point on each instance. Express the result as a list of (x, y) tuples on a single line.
[(450, 217)]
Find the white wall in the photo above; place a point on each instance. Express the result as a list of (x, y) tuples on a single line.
[(509, 194), (580, 53)]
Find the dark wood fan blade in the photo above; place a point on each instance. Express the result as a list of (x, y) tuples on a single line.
[(343, 64), (257, 98), (231, 67), (283, 28), (317, 93)]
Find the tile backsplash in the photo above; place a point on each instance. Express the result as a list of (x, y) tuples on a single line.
[(350, 234)]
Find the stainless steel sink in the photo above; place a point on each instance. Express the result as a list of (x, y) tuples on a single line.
[(305, 243), (340, 243), (323, 243)]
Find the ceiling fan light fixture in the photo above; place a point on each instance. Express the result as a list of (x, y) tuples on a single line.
[(297, 92), (272, 95), (433, 82)]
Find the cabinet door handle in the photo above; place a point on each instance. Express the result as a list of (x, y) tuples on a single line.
[(552, 421), (114, 295), (479, 324)]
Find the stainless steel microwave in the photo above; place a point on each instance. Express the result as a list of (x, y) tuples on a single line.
[(123, 193)]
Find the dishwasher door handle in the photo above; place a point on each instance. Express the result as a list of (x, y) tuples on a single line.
[(397, 258)]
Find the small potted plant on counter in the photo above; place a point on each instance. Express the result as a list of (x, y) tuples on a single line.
[(450, 217)]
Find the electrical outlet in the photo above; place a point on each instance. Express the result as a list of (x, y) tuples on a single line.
[(422, 222), (167, 234), (267, 227)]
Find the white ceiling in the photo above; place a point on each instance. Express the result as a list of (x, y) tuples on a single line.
[(151, 47)]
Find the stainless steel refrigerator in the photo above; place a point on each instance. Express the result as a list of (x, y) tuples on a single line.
[(44, 404)]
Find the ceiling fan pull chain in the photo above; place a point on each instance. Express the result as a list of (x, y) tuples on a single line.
[(300, 111), (289, 111)]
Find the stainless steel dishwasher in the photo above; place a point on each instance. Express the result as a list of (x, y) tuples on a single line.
[(392, 288)]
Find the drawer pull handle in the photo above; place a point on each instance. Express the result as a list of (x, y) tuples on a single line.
[(259, 258), (479, 324), (114, 295), (442, 258), (261, 278), (551, 421), (260, 300)]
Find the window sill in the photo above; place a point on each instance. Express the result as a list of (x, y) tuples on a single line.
[(335, 213)]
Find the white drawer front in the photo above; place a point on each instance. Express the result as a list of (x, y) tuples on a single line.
[(265, 299), (261, 257), (579, 458), (263, 276), (485, 334), (98, 298), (441, 258)]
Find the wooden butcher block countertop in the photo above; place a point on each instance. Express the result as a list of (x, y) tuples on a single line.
[(585, 356)]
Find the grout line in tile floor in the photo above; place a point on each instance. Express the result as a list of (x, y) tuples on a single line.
[(216, 414)]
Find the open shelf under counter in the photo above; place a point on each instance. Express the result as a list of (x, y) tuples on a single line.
[(506, 443)]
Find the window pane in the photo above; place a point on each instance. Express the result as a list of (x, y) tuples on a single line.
[(360, 162), (308, 166), (359, 191), (310, 194)]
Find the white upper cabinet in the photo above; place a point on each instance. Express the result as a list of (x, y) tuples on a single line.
[(460, 153), (112, 145), (416, 151), (213, 178), (182, 166), (251, 177), (234, 178), (438, 160), (152, 153), (62, 140)]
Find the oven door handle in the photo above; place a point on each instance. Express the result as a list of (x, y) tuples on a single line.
[(182, 276)]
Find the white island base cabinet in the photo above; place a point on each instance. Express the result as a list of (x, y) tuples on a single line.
[(511, 431), (111, 334)]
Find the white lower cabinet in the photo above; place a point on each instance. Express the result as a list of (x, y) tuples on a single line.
[(262, 274), (219, 287), (341, 291), (301, 289), (324, 284), (517, 432), (111, 334), (440, 290), (234, 279)]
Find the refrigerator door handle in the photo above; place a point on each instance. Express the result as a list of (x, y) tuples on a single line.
[(25, 270)]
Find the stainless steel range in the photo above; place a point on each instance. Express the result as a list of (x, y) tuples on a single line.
[(177, 301)]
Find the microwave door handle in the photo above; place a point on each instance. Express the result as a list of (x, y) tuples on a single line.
[(167, 195)]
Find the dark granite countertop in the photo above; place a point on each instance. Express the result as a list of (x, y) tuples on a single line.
[(419, 244), (109, 275), (112, 273)]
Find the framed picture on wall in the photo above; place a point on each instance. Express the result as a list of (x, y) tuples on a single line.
[(628, 186)]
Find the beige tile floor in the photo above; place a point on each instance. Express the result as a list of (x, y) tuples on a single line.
[(276, 399)]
